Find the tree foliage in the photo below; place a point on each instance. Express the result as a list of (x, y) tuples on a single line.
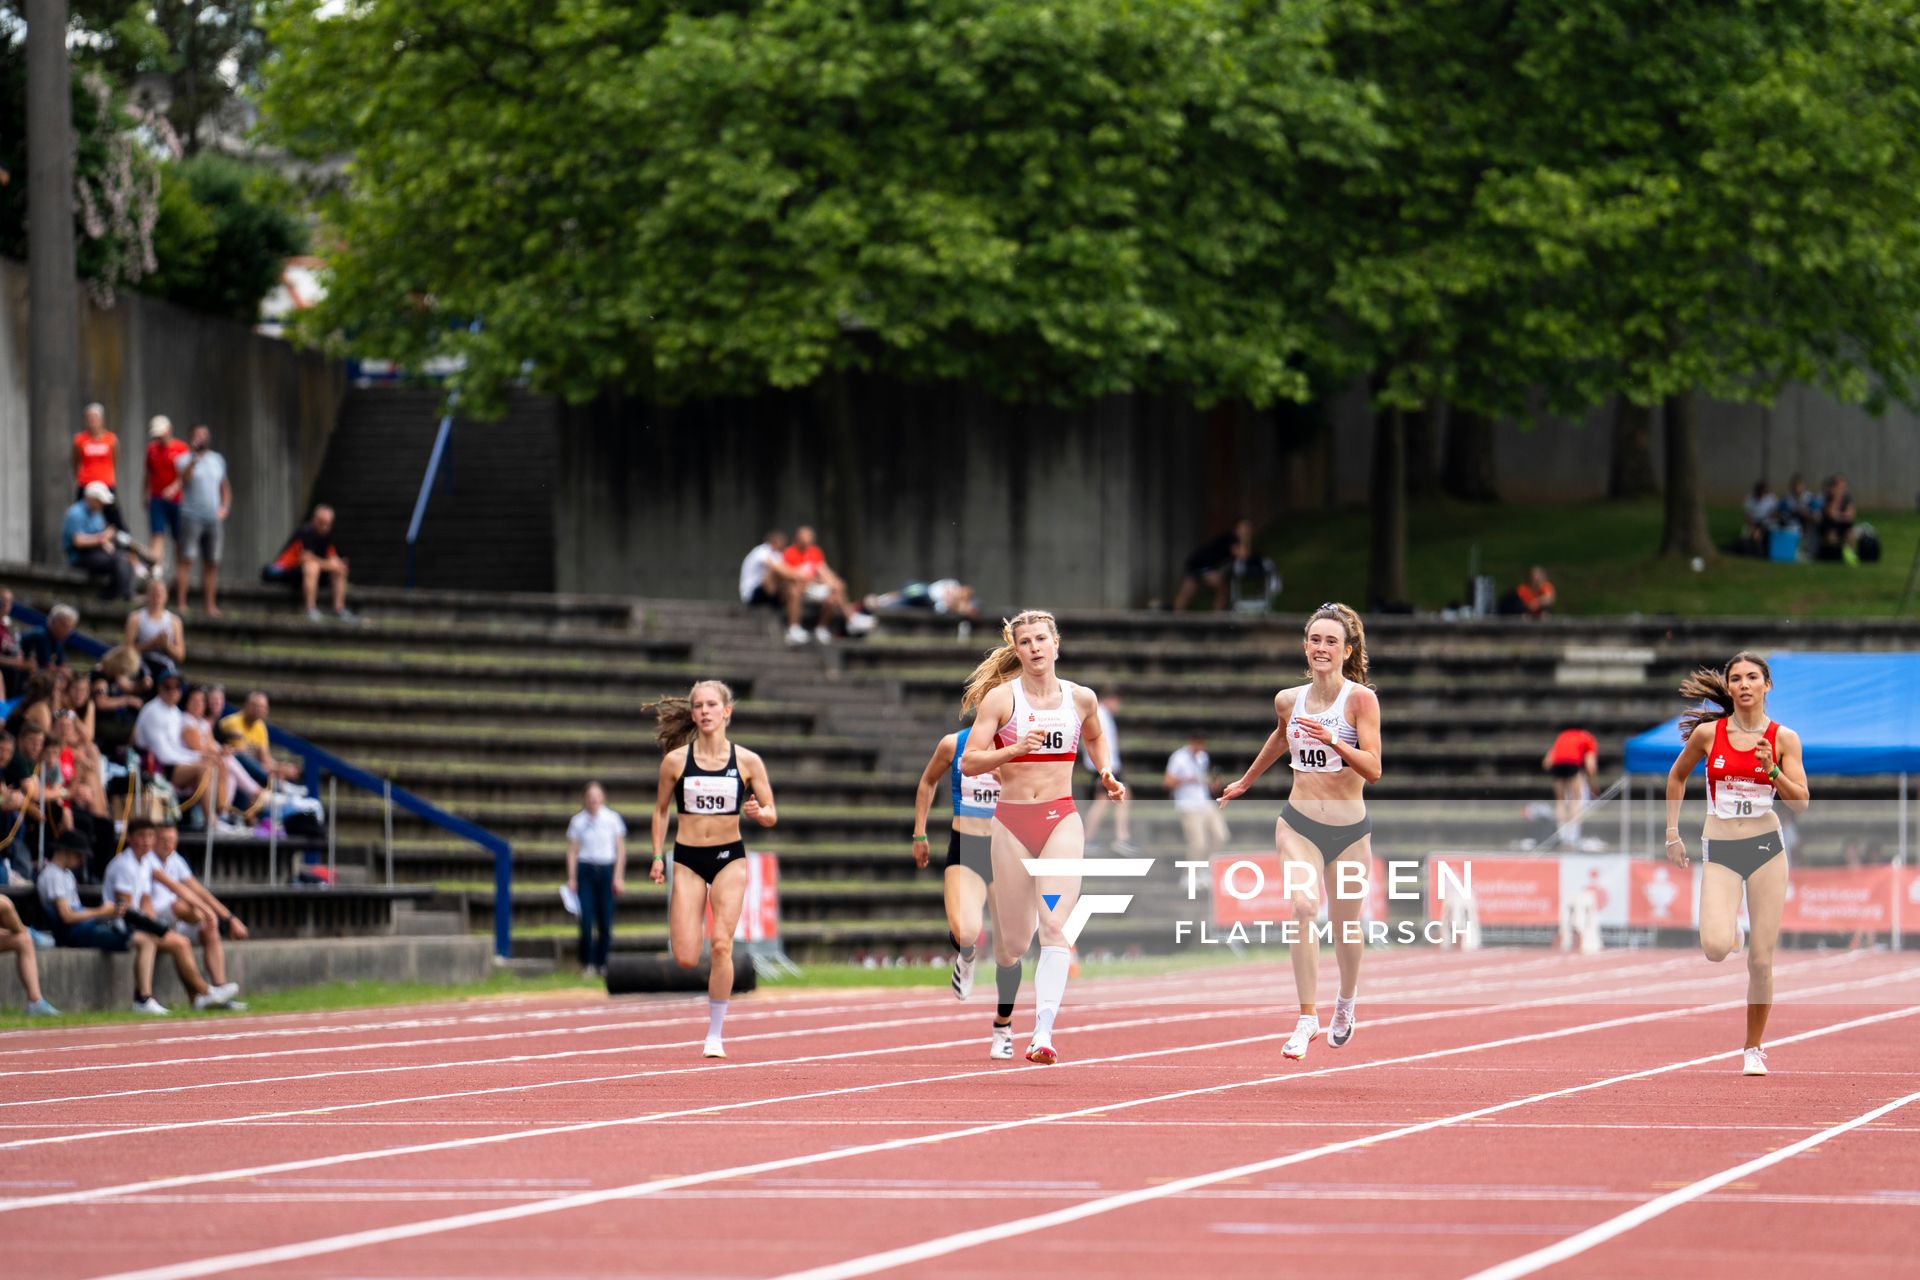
[(224, 235), (1054, 201)]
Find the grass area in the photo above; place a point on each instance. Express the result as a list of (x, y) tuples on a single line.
[(1601, 556), (324, 997)]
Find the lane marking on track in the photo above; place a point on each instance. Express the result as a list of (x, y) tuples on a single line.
[(653, 1072), (837, 1029), (353, 1240), (1574, 1245), (890, 1259)]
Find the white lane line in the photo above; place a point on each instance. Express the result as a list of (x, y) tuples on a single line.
[(1169, 1019), (1231, 994), (888, 1260), (360, 1239), (1574, 1245)]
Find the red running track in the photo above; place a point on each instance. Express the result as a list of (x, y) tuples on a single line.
[(1498, 1114)]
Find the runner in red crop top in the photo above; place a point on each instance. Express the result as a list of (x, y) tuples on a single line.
[(1750, 762), (1029, 726)]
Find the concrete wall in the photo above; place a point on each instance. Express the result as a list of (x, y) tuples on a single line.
[(1033, 506), (271, 409), (1805, 431)]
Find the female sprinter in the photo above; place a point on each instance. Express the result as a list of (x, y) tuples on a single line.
[(706, 782), (969, 873), (1028, 727), (1331, 726), (1750, 760)]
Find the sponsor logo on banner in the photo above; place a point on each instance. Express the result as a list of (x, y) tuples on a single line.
[(1505, 890), (1839, 900), (1605, 879), (1661, 896)]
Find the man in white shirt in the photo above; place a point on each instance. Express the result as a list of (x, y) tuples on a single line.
[(1099, 806), (1190, 779), (159, 731), (129, 884), (597, 873), (188, 908), (765, 578)]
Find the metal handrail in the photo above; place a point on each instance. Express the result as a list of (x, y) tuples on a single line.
[(319, 761), (426, 489)]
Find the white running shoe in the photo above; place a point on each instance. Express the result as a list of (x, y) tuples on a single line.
[(714, 1048), (1755, 1063), (226, 991), (1002, 1044), (963, 975), (1303, 1033), (151, 1007), (1040, 1050), (1341, 1029), (822, 635), (210, 1000), (796, 635)]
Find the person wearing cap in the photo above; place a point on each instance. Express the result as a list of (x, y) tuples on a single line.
[(97, 928), (164, 455), (96, 460), (88, 540)]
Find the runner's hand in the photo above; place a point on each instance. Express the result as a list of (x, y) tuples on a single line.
[(1234, 790), (1677, 851), (658, 872)]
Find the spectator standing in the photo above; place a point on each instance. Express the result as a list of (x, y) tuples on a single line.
[(14, 665), (1837, 517), (1099, 806), (308, 559), (1190, 779), (14, 937), (597, 874), (1535, 598), (1209, 565), (1573, 762), (88, 540), (246, 729), (96, 460), (206, 496), (155, 632), (160, 730), (765, 578), (164, 455)]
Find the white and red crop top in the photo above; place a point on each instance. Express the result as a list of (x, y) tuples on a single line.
[(1309, 754), (1061, 724), (1737, 787)]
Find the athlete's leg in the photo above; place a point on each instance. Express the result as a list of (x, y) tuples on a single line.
[(1562, 802), (1349, 943), (1719, 912), (1067, 843), (1015, 897), (1304, 952), (966, 895), (687, 916), (1766, 896), (729, 892)]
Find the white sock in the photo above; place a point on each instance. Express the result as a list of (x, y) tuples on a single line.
[(716, 1015), (1049, 986), (1343, 1004)]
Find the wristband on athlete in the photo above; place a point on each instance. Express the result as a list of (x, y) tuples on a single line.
[(921, 838), (1773, 773)]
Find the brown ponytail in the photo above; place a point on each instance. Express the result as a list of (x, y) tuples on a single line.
[(1709, 686), (1355, 668), (1003, 663), (674, 716)]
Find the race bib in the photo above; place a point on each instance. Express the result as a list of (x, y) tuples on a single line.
[(979, 791), (1310, 755), (712, 795), (1738, 798)]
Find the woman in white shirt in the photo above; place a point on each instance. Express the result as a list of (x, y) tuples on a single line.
[(596, 873)]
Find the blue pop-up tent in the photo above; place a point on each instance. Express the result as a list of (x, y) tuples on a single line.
[(1855, 713)]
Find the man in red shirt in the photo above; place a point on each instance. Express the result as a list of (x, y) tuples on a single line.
[(1573, 762), (163, 486), (823, 587), (96, 460)]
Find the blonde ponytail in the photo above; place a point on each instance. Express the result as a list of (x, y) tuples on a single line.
[(673, 717), (1003, 663), (1355, 667)]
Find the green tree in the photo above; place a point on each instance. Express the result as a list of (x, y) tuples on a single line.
[(1056, 202), (223, 235)]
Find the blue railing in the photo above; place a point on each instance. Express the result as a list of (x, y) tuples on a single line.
[(426, 488), (319, 761)]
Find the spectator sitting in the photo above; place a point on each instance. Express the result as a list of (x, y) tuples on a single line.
[(15, 937), (129, 884), (81, 789), (943, 595), (35, 706), (1189, 777), (1837, 517), (164, 455), (1760, 508), (46, 647), (307, 559), (1252, 581), (89, 542), (206, 496), (14, 665), (98, 928), (155, 632), (13, 816), (1209, 565), (820, 585), (246, 730), (120, 684), (1802, 505), (765, 578), (96, 460), (1534, 598), (237, 789), (188, 909), (160, 731)]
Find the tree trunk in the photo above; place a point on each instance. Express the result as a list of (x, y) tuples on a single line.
[(1686, 523), (842, 495), (1387, 574), (1423, 444), (1631, 473), (53, 306), (1469, 471)]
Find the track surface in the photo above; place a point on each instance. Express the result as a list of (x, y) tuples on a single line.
[(1498, 1113)]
